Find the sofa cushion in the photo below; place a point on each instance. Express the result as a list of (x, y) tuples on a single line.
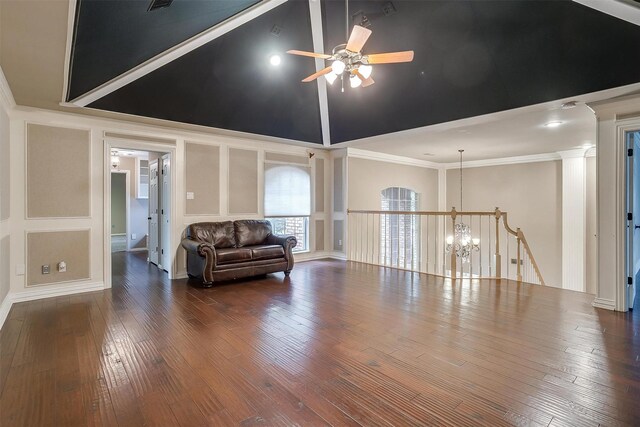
[(219, 234), (266, 252), (251, 232), (232, 255)]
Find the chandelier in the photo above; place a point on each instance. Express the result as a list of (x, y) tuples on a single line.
[(461, 243)]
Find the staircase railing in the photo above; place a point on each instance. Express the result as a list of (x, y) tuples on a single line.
[(424, 241)]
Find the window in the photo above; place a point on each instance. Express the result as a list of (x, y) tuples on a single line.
[(399, 234), (287, 201)]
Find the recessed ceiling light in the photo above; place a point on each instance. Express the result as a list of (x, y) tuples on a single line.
[(553, 124), (587, 145), (275, 60), (428, 154), (569, 105)]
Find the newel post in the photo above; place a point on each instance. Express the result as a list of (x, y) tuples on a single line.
[(454, 254), (497, 256)]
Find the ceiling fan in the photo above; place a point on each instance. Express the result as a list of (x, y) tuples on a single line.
[(348, 58)]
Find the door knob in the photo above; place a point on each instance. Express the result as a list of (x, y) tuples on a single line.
[(149, 218)]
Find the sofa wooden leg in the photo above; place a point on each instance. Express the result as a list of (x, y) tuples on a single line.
[(207, 284), (287, 273)]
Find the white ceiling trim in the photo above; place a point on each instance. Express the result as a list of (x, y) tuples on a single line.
[(619, 9), (391, 158), (534, 158), (174, 53), (315, 10), (71, 18), (6, 96)]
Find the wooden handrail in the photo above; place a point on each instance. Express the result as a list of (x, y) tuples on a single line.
[(453, 214), (435, 213)]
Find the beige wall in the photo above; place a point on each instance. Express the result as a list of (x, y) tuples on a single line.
[(202, 166), (532, 195), (367, 178), (70, 246), (5, 278), (118, 203), (5, 167), (243, 181), (58, 172)]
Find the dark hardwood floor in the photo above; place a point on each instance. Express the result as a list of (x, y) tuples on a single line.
[(337, 343)]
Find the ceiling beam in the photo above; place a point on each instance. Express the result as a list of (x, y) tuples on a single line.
[(618, 8), (174, 53), (315, 9)]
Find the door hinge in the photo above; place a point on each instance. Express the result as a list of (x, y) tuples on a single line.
[(629, 216), (630, 152), (629, 281)]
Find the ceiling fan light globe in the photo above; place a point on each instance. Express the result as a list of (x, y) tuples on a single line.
[(338, 67), (365, 70), (331, 77), (355, 81)]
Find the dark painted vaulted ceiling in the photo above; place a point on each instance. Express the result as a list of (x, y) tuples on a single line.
[(471, 58)]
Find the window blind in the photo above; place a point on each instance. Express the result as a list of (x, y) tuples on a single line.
[(287, 190)]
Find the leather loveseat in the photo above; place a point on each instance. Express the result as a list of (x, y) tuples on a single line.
[(233, 249)]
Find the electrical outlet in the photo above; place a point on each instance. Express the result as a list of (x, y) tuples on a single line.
[(191, 195), (20, 269), (340, 242), (45, 269), (62, 267), (515, 261)]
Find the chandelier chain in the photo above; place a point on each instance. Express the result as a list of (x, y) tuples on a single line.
[(461, 151)]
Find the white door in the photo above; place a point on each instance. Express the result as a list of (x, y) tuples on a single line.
[(153, 213), (632, 216), (165, 213)]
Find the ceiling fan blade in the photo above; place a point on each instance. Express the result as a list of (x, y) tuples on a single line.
[(358, 38), (390, 58), (310, 54), (365, 82), (314, 76)]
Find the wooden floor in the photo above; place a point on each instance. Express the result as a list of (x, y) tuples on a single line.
[(337, 343)]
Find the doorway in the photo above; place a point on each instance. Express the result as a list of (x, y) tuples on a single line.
[(632, 259), (146, 195)]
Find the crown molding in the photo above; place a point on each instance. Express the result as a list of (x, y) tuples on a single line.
[(534, 158), (6, 96), (391, 158), (616, 8)]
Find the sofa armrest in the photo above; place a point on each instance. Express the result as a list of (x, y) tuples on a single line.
[(205, 250), (288, 243)]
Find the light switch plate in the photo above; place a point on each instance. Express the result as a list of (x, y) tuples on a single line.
[(19, 269), (191, 195), (134, 236)]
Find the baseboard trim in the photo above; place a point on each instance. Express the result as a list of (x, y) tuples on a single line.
[(606, 304), (58, 291), (180, 275), (5, 307), (318, 255)]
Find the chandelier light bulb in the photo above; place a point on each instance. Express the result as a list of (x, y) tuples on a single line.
[(338, 67), (365, 70), (331, 77), (355, 81), (476, 241), (449, 240)]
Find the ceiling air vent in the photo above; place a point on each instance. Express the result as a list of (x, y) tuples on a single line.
[(157, 4)]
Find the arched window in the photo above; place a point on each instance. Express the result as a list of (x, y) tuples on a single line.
[(287, 201), (399, 234)]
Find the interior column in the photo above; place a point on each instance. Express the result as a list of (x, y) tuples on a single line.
[(574, 223)]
